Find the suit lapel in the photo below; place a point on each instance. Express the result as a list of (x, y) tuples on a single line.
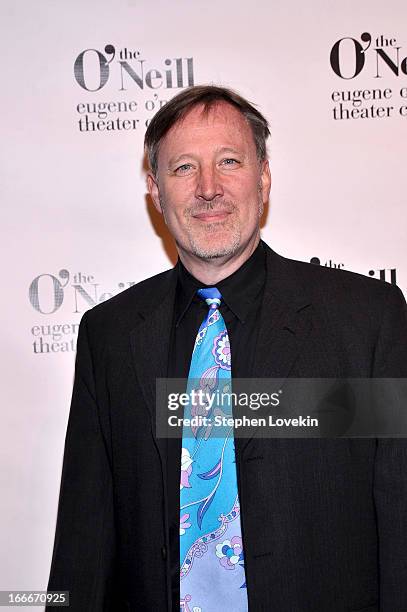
[(150, 343), (285, 322)]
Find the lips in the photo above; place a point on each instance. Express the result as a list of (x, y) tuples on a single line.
[(212, 215)]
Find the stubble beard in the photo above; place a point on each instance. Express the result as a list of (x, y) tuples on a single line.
[(201, 241), (203, 247), (215, 239), (206, 246)]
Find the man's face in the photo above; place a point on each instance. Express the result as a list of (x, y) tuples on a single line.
[(210, 185)]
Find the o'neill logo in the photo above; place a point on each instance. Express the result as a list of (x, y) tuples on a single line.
[(348, 56), (92, 70), (126, 70), (375, 57), (48, 293), (383, 274)]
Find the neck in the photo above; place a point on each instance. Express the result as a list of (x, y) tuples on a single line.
[(211, 271)]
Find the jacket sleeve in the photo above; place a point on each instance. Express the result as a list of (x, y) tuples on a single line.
[(83, 560), (390, 478)]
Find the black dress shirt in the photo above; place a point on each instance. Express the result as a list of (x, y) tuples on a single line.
[(242, 294)]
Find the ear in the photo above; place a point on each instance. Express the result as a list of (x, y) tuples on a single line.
[(265, 180), (154, 191)]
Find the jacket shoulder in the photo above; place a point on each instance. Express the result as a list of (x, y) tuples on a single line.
[(340, 299), (123, 308), (335, 284)]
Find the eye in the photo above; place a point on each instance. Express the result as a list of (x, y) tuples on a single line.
[(230, 161), (183, 169)]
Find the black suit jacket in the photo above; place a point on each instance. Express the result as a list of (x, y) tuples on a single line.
[(323, 520)]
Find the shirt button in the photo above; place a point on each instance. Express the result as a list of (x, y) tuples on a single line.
[(164, 552)]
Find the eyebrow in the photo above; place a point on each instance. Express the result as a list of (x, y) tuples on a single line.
[(229, 150)]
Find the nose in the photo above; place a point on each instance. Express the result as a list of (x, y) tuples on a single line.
[(209, 184)]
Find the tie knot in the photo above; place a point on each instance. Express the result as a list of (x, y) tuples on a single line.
[(211, 296)]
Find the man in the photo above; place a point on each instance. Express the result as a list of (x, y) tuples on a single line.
[(322, 522)]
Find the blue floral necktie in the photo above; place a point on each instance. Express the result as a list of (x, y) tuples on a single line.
[(211, 548)]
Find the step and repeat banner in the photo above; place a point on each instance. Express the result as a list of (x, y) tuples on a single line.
[(80, 82)]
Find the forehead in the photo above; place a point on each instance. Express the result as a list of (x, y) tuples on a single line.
[(221, 125)]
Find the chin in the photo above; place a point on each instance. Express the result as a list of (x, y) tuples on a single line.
[(216, 244)]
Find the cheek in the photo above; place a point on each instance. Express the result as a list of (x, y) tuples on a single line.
[(173, 203), (248, 197), (177, 194), (246, 189), (172, 198)]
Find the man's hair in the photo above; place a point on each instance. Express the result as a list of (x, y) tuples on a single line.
[(208, 96)]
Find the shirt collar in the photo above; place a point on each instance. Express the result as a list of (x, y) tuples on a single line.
[(239, 290)]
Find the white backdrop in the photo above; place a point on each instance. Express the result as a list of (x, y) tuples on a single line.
[(77, 226)]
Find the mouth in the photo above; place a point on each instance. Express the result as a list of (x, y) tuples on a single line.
[(211, 216)]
